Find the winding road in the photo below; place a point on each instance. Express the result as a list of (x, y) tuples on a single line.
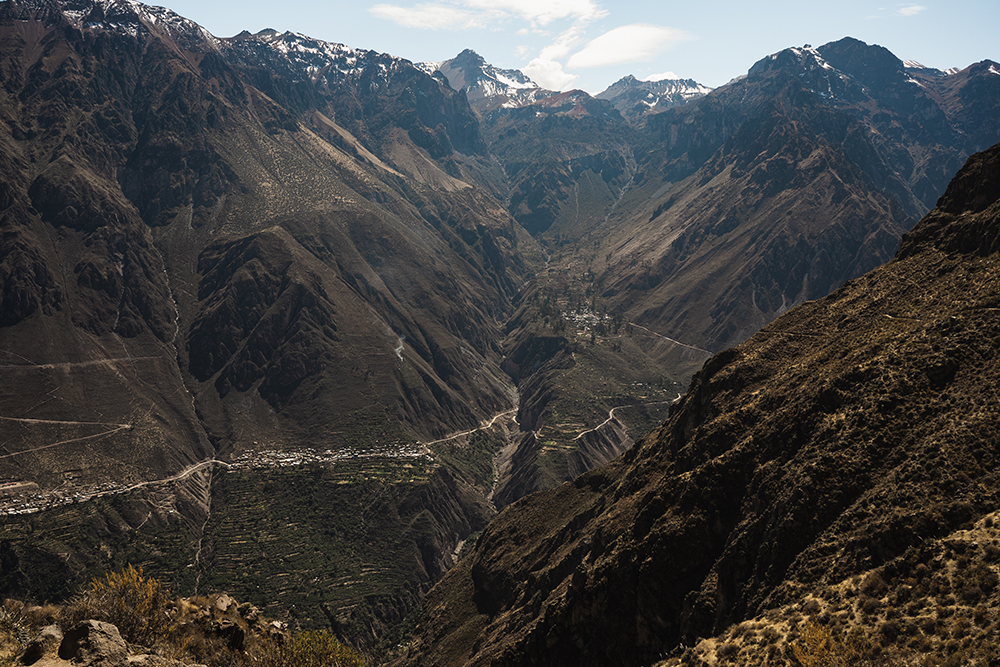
[(482, 427), (68, 364), (187, 472), (611, 414)]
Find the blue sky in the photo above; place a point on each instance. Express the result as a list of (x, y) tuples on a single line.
[(590, 44)]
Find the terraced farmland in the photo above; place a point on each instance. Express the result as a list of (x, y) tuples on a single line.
[(342, 545)]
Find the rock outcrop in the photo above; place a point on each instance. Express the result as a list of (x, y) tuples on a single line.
[(89, 644)]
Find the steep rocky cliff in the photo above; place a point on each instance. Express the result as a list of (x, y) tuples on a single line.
[(161, 208), (814, 164)]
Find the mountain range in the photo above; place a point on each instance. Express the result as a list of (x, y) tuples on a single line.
[(267, 290)]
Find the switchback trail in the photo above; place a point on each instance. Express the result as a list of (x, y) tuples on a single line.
[(70, 364), (187, 472), (62, 421), (62, 442), (675, 342)]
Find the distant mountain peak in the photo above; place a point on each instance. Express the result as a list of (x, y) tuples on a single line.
[(847, 69), (469, 57), (488, 87), (636, 98), (805, 57)]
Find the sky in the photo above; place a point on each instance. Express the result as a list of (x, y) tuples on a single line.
[(590, 44)]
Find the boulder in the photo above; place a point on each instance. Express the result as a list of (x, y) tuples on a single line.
[(94, 644), (44, 645)]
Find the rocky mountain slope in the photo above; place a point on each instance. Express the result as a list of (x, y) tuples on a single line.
[(842, 439), (218, 253), (204, 226), (865, 148)]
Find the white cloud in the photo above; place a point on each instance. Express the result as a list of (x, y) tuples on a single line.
[(569, 19), (565, 42), (482, 13), (428, 16), (665, 76), (911, 10), (627, 44), (545, 70), (549, 74), (542, 12)]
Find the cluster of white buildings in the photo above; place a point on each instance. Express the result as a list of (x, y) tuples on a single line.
[(585, 320), (35, 500), (256, 460)]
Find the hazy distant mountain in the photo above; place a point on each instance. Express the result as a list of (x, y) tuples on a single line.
[(636, 99), (488, 87)]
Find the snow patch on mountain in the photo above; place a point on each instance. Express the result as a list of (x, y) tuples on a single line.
[(510, 79), (133, 18), (428, 67), (325, 64), (636, 98), (488, 87)]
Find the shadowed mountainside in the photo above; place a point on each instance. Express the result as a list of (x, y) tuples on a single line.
[(172, 228)]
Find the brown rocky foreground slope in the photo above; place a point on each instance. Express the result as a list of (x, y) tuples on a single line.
[(849, 431), (135, 624)]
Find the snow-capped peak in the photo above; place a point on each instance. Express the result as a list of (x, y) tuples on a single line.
[(323, 63), (488, 87), (636, 98), (810, 57), (133, 18)]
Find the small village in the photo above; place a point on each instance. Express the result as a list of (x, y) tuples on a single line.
[(18, 497)]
